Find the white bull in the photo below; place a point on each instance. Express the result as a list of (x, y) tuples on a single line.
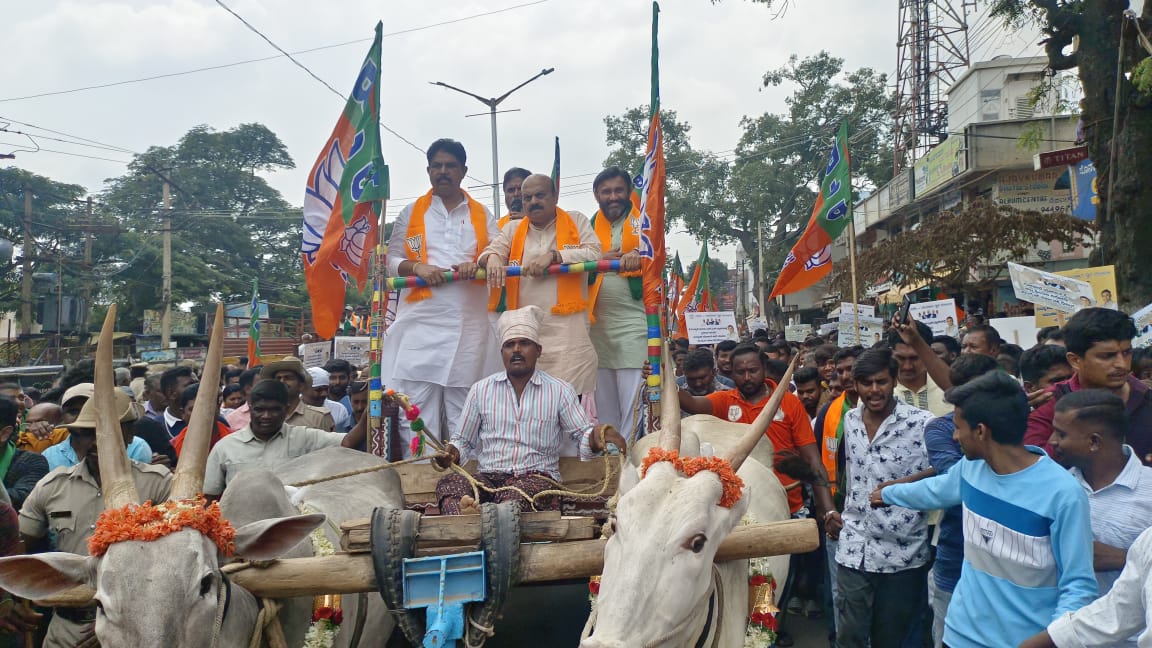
[(170, 591), (658, 564)]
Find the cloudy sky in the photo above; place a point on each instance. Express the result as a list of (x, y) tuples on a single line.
[(712, 59)]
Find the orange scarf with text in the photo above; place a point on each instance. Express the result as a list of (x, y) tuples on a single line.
[(416, 237), (629, 240), (569, 287)]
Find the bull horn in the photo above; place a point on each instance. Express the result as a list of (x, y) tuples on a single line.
[(115, 469), (669, 404), (188, 481), (752, 436)]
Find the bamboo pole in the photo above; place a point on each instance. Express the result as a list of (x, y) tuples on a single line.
[(539, 563), (852, 265)]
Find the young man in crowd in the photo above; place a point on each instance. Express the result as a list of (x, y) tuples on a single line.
[(724, 358), (1088, 439), (946, 348), (883, 554), (1099, 343), (1043, 366), (943, 453), (701, 376), (808, 389), (1027, 550), (915, 387)]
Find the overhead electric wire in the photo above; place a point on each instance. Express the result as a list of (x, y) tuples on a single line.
[(272, 58)]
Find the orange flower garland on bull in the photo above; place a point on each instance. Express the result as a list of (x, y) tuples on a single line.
[(146, 522), (689, 466)]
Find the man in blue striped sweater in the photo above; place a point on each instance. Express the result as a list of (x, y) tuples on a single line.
[(1027, 526)]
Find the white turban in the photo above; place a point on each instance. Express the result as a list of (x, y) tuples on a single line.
[(521, 323)]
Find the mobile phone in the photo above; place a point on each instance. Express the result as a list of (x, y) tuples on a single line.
[(902, 314)]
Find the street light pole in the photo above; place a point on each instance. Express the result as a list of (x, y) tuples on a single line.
[(492, 103)]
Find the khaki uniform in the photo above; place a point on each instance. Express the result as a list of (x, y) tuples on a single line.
[(314, 417), (68, 501)]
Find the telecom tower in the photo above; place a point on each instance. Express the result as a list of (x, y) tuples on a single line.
[(931, 52)]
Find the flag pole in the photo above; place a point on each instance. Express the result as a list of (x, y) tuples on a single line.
[(377, 423), (852, 240)]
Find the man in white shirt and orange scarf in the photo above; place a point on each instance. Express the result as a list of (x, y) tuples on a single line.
[(442, 341), (549, 235), (619, 328)]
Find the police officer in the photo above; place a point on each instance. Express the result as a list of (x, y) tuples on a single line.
[(65, 504)]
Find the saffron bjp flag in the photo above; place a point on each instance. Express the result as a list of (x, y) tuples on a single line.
[(697, 298), (342, 203), (254, 357), (811, 257), (649, 195)]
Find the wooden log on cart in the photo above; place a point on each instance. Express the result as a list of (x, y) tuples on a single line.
[(350, 573), (464, 530)]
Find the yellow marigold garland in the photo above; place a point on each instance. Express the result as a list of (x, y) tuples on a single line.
[(731, 482), (146, 522)]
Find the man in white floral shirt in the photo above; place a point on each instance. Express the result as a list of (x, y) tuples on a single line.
[(882, 557)]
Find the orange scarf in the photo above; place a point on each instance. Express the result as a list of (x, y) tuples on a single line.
[(569, 287), (629, 240), (416, 237)]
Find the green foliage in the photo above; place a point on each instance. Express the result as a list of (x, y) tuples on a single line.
[(1142, 76), (58, 211), (228, 223), (717, 275)]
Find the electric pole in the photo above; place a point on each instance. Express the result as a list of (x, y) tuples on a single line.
[(26, 262), (87, 279), (166, 290)]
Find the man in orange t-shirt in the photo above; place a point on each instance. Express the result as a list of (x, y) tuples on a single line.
[(790, 431)]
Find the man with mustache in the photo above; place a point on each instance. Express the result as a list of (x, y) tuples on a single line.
[(441, 341), (1099, 343), (513, 180), (514, 424), (619, 329), (549, 235)]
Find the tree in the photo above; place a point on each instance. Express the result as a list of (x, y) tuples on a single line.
[(1087, 35), (228, 224), (960, 248), (58, 215), (717, 276)]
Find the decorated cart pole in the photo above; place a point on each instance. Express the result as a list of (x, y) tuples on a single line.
[(649, 200)]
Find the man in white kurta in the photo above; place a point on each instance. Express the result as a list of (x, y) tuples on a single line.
[(568, 351), (441, 342)]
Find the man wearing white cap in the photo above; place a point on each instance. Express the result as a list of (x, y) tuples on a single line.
[(315, 393), (514, 423)]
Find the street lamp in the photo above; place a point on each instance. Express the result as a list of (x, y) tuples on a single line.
[(492, 103)]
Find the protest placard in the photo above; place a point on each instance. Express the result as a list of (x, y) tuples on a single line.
[(940, 316), (755, 324), (865, 310), (1020, 331), (1143, 319), (710, 328), (870, 331), (797, 332), (1064, 294), (354, 349), (315, 354), (1103, 282)]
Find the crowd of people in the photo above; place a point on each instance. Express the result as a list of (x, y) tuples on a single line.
[(969, 492)]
